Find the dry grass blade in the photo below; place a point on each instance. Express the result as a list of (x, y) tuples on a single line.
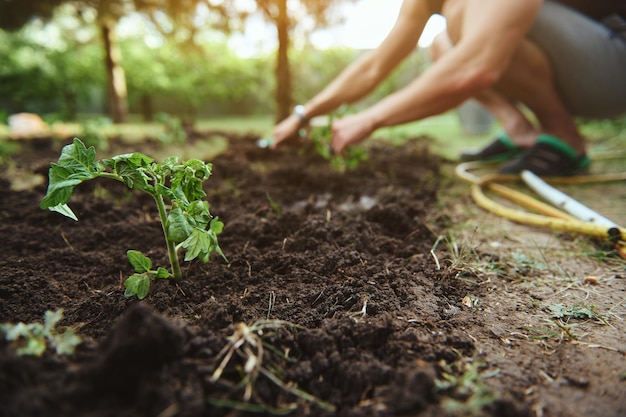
[(247, 343)]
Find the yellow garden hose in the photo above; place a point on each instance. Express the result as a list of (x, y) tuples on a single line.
[(550, 217), (463, 171), (560, 224), (526, 201)]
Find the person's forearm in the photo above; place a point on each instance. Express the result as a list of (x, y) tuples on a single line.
[(362, 77), (475, 63), (442, 87), (354, 83)]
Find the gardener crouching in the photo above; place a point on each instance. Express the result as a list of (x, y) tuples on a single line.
[(557, 59)]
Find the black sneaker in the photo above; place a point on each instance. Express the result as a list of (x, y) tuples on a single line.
[(500, 149), (549, 157)]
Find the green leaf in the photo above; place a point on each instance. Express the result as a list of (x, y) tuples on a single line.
[(143, 287), (58, 193), (192, 188), (132, 177), (189, 177), (35, 346), (575, 311), (79, 159), (199, 211), (75, 165), (66, 342), (201, 242), (168, 165), (162, 273), (165, 192), (178, 196), (136, 159), (51, 319), (215, 229), (178, 228), (139, 159), (58, 173), (131, 168), (33, 338), (217, 226), (15, 331), (139, 261), (201, 169), (137, 284), (65, 210), (197, 245), (131, 284)]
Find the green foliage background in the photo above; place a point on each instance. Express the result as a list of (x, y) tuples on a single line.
[(61, 74)]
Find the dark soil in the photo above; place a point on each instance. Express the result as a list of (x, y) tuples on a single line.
[(342, 258)]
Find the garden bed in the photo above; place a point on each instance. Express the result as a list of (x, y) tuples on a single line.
[(358, 312)]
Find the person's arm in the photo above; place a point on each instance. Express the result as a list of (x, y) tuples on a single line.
[(487, 40), (363, 75)]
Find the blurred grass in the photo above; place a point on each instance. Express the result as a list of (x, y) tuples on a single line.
[(447, 136), (261, 125), (136, 129), (445, 130)]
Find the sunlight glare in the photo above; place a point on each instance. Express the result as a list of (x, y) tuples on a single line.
[(366, 24)]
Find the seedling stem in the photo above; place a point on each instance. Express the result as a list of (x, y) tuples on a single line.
[(171, 248)]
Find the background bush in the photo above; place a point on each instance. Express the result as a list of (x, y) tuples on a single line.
[(61, 74)]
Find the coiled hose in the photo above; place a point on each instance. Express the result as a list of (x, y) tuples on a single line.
[(547, 216)]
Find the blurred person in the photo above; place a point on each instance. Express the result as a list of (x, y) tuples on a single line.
[(556, 59)]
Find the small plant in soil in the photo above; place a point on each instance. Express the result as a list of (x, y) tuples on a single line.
[(34, 338), (351, 158), (576, 311), (463, 388), (186, 220)]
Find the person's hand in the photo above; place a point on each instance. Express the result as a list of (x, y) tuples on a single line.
[(287, 129), (350, 130)]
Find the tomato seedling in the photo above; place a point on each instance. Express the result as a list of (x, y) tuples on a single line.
[(351, 158), (186, 221)]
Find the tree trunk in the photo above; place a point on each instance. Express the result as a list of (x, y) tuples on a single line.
[(146, 107), (283, 75), (116, 80), (71, 107)]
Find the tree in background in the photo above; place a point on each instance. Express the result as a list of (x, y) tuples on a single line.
[(170, 15), (209, 78), (323, 13), (15, 14), (182, 24), (47, 67)]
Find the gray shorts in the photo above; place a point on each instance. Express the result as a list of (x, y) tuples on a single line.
[(588, 59)]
